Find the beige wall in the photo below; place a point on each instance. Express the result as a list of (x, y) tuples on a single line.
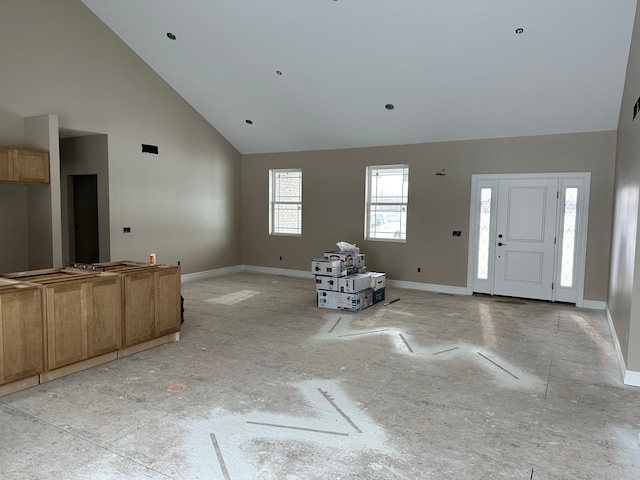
[(14, 233), (624, 287), (334, 190), (43, 201), (184, 202)]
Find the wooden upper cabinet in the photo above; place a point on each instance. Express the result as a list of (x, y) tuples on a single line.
[(31, 166), (26, 166), (6, 165)]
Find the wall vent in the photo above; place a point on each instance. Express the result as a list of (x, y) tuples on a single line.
[(149, 148)]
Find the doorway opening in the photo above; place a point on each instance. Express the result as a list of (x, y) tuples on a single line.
[(84, 192), (83, 218), (528, 235)]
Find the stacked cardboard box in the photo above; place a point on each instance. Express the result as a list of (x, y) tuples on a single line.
[(343, 283)]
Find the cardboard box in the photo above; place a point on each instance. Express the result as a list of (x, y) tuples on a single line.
[(324, 266), (358, 260), (355, 283), (354, 302), (327, 299), (378, 280), (327, 283), (378, 295), (345, 257)]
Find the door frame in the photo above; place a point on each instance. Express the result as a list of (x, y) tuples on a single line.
[(582, 180)]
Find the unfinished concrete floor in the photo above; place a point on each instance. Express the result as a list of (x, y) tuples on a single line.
[(265, 385)]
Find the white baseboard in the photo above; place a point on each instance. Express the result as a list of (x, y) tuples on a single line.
[(632, 378), (192, 277), (593, 305), (428, 287), (629, 377), (285, 272)]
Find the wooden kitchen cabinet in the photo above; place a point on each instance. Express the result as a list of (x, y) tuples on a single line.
[(84, 319), (58, 321), (139, 306), (21, 332), (151, 300), (24, 166), (167, 299), (105, 331), (82, 314)]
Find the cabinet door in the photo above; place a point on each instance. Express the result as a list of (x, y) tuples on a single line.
[(139, 307), (104, 325), (30, 166), (6, 165), (21, 337), (167, 300), (66, 323)]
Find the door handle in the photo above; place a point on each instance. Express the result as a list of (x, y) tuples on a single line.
[(500, 244)]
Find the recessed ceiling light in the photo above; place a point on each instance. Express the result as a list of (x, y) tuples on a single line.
[(278, 72), (171, 36), (519, 30), (249, 122), (389, 106)]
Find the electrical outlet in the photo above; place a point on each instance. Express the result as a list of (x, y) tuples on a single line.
[(418, 269), (126, 230), (457, 233), (280, 258)]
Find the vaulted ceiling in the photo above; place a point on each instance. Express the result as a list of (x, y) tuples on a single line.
[(291, 75)]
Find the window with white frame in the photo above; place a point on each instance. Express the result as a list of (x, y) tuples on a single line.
[(386, 202), (569, 223), (285, 202), (484, 234)]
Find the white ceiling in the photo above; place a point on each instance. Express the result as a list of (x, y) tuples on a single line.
[(454, 69)]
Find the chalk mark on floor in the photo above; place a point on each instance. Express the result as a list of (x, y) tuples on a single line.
[(406, 343), (364, 333), (291, 427), (516, 378), (344, 415), (223, 466), (241, 435), (498, 365), (335, 325), (445, 351)]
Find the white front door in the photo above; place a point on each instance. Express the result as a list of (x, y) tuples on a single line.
[(528, 235), (525, 237)]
